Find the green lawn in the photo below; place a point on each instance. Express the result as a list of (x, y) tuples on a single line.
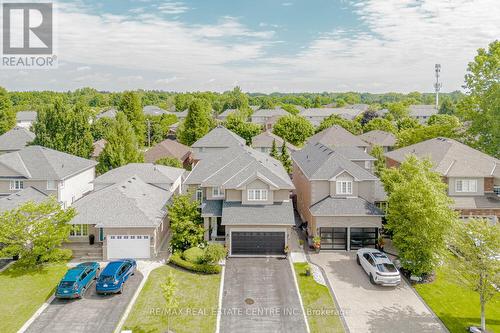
[(23, 291), (317, 298), (457, 307), (198, 297)]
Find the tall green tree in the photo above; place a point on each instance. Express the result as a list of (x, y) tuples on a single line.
[(419, 213), (236, 99), (199, 121), (130, 105), (185, 222), (398, 110), (35, 232), (285, 158), (65, 129), (121, 146), (293, 129), (447, 129), (381, 124), (236, 122), (351, 125), (274, 150), (378, 153), (447, 107), (7, 114), (475, 263)]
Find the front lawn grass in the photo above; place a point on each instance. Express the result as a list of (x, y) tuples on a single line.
[(197, 296), (456, 306), (23, 291), (317, 298)]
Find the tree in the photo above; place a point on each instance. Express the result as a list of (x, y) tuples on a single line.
[(475, 263), (285, 158), (407, 123), (274, 150), (236, 122), (368, 116), (444, 120), (35, 231), (293, 129), (447, 107), (290, 108), (100, 127), (65, 129), (121, 146), (159, 127), (168, 290), (7, 114), (236, 99), (380, 124), (169, 161), (419, 134), (398, 110), (378, 153), (419, 213), (352, 126), (214, 253), (130, 105), (198, 122), (185, 222)]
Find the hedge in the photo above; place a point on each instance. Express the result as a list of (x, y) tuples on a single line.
[(177, 260), (193, 255)]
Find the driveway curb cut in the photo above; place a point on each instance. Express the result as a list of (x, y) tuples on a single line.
[(36, 314), (300, 297), (221, 291)]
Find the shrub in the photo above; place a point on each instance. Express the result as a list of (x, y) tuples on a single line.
[(177, 260), (194, 255), (214, 253)]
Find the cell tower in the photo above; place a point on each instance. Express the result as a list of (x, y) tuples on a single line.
[(437, 85)]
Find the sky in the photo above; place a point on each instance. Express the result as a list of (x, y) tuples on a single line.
[(263, 45)]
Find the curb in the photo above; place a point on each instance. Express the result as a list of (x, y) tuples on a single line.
[(300, 297), (221, 291)]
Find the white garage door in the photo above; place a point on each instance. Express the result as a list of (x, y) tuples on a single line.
[(128, 246)]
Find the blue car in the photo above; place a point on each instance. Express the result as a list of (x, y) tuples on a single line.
[(115, 274), (77, 280)]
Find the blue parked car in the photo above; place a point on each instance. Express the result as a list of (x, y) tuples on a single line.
[(114, 276), (77, 280)]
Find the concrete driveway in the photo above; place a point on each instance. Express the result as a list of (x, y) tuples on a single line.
[(260, 296), (370, 308), (93, 313)]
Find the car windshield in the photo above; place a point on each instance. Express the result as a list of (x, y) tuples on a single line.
[(107, 278), (66, 284), (387, 268)]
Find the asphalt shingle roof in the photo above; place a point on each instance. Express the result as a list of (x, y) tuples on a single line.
[(36, 162), (422, 110), (320, 162), (15, 139), (16, 199), (153, 110), (130, 203), (110, 113), (279, 213), (451, 158), (476, 202), (265, 140), (336, 206), (26, 115), (211, 208), (167, 148), (270, 112), (337, 136), (219, 137), (379, 138)]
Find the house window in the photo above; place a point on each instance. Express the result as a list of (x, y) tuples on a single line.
[(257, 195), (466, 185), (217, 192), (16, 184), (367, 164), (344, 187), (199, 195), (496, 189), (51, 185), (79, 230)]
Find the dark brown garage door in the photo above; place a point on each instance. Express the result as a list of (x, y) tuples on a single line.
[(257, 243)]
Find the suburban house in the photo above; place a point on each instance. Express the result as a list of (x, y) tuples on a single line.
[(25, 118), (153, 110), (15, 139), (169, 148), (336, 198), (18, 198), (264, 142), (109, 113), (473, 177), (52, 172), (317, 115), (216, 140), (223, 116), (379, 138), (98, 147), (127, 211), (268, 117), (422, 112), (245, 200)]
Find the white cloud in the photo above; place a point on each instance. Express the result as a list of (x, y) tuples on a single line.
[(167, 80), (83, 68), (173, 7)]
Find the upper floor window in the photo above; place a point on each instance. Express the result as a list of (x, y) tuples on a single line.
[(466, 185), (257, 195), (367, 164), (199, 195), (496, 189), (344, 187), (16, 184), (217, 192), (51, 185)]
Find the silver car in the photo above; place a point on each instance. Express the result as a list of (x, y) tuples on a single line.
[(379, 267)]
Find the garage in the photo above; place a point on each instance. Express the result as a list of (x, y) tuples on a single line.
[(128, 246), (333, 238), (363, 237), (258, 243)]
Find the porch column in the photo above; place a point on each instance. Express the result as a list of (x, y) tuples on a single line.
[(348, 239), (206, 227), (214, 227)]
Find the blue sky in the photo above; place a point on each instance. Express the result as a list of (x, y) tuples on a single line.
[(265, 46)]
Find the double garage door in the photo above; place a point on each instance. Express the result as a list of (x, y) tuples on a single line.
[(337, 238), (128, 246), (257, 243)]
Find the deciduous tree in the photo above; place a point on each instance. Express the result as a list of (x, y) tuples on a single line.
[(198, 122), (130, 105), (380, 124), (293, 129), (169, 161), (351, 125), (185, 222), (7, 114), (236, 122)]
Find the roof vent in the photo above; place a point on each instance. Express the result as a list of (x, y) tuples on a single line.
[(123, 186)]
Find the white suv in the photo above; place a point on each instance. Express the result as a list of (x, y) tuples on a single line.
[(380, 269)]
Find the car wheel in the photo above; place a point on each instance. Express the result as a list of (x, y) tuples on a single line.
[(121, 290), (372, 281), (357, 260)]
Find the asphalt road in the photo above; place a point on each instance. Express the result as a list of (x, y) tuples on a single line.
[(91, 314), (260, 296)]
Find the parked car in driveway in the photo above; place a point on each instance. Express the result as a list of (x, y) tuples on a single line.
[(114, 276), (379, 267), (77, 280)]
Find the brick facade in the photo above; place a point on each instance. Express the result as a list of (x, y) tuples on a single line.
[(488, 184)]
